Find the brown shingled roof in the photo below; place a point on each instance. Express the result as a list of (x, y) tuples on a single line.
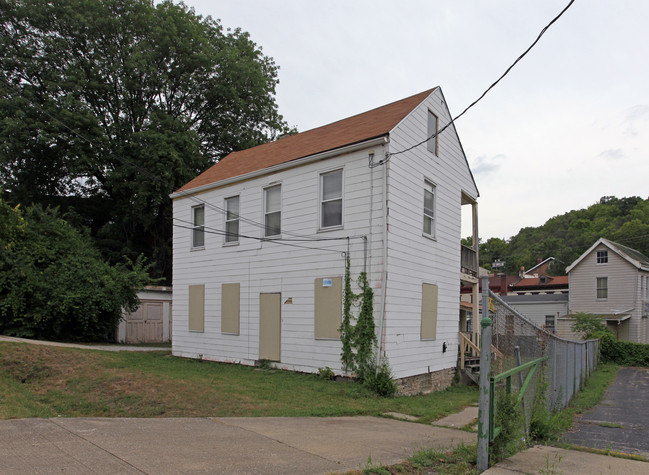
[(365, 126)]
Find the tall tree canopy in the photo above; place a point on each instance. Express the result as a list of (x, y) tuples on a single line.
[(107, 106), (568, 236)]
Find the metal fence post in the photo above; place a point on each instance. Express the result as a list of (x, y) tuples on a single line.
[(485, 369)]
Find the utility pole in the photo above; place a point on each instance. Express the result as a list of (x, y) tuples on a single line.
[(485, 370)]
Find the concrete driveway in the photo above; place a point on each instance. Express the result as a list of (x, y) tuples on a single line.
[(213, 445), (620, 422)]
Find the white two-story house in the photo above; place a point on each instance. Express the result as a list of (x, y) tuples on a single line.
[(261, 238)]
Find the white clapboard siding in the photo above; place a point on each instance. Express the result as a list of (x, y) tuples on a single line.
[(271, 267), (414, 259), (624, 290)]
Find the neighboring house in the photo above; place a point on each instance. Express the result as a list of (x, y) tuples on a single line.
[(612, 280), (543, 284), (542, 309), (261, 238), (151, 322)]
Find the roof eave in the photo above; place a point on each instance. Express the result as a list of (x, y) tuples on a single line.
[(383, 139)]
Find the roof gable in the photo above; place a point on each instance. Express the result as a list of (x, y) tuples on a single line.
[(361, 127), (635, 258)]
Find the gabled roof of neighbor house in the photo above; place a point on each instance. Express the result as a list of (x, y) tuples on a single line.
[(635, 258), (359, 128)]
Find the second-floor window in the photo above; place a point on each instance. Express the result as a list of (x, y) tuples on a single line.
[(602, 257), (429, 209), (232, 219), (272, 210), (331, 203), (602, 288), (198, 226)]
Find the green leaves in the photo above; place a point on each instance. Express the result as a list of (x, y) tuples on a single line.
[(54, 284), (567, 236), (124, 101)]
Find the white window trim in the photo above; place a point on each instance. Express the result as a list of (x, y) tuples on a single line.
[(265, 211), (226, 221), (342, 200), (597, 258), (430, 183), (597, 288), (196, 228)]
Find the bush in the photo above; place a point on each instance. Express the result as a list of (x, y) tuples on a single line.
[(590, 326), (54, 284), (624, 353), (380, 381)]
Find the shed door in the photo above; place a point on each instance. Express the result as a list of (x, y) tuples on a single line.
[(269, 326), (145, 324)]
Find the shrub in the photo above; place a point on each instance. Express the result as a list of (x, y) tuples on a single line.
[(624, 353), (54, 284), (379, 380)]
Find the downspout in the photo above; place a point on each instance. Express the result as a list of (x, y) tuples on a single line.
[(384, 276)]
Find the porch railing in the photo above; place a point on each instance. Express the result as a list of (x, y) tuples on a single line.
[(468, 264)]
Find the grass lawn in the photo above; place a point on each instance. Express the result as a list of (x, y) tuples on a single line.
[(44, 381)]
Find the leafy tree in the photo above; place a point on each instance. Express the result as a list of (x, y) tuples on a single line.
[(590, 326), (107, 106), (54, 284), (566, 237)]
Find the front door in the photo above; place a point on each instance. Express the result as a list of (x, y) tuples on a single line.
[(270, 319)]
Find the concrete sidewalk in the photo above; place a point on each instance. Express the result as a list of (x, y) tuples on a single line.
[(542, 459), (213, 445)]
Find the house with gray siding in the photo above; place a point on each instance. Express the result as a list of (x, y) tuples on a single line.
[(261, 239), (612, 280)]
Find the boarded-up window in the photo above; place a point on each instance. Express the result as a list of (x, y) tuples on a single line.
[(196, 308), (328, 307), (428, 312), (230, 308)]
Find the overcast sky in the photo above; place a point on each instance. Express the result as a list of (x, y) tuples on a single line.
[(567, 126)]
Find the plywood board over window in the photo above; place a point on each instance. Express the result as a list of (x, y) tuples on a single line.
[(230, 308), (196, 308), (328, 311), (429, 311)]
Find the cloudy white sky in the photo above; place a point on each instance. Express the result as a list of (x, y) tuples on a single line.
[(568, 125)]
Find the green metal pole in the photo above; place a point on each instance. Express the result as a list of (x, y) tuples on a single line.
[(485, 369)]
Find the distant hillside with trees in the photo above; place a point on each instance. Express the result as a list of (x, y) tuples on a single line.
[(566, 237)]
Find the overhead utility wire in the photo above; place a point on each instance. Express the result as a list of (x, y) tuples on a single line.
[(275, 241), (148, 174), (389, 154)]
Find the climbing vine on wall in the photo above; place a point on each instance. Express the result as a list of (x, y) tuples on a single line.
[(359, 338)]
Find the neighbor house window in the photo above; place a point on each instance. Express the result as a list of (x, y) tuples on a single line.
[(198, 226), (429, 209), (602, 287), (549, 323), (232, 219), (272, 210), (433, 124), (602, 257), (331, 202)]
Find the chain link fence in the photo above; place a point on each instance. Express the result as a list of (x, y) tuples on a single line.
[(517, 340)]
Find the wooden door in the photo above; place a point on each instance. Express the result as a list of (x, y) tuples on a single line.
[(145, 324), (270, 323)]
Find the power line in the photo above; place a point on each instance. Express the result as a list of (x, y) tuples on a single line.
[(389, 154)]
